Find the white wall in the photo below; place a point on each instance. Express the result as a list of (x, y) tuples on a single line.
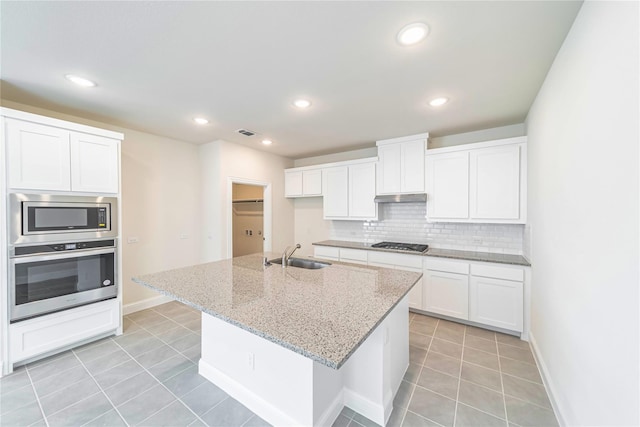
[(583, 209), (160, 201), (220, 160)]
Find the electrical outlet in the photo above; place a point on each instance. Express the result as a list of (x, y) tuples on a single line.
[(251, 360), (184, 236), (133, 239), (477, 241)]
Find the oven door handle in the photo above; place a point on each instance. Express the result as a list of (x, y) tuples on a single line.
[(62, 255)]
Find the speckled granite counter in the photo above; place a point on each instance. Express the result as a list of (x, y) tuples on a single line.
[(322, 314), (435, 252)]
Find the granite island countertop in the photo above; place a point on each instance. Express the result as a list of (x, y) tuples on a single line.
[(323, 314), (435, 252)]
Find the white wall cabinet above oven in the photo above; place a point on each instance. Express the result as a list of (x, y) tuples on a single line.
[(483, 183), (54, 155), (401, 165)]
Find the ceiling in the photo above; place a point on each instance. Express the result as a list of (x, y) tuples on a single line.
[(242, 64)]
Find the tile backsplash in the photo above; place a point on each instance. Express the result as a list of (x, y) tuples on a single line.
[(406, 222)]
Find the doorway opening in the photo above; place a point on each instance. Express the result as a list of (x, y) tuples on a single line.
[(250, 219)]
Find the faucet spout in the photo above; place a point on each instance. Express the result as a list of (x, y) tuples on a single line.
[(285, 256)]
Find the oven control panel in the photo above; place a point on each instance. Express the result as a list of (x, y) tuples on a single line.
[(60, 247)]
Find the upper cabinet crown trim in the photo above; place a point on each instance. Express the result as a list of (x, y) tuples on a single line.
[(43, 120), (330, 165), (424, 136), (475, 145)]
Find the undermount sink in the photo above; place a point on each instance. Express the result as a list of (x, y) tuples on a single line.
[(301, 263)]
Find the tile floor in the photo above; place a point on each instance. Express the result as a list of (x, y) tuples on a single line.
[(458, 375)]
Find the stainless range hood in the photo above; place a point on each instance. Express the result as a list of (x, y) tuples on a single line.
[(401, 198)]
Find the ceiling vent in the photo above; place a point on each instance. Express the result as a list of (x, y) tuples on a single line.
[(245, 132)]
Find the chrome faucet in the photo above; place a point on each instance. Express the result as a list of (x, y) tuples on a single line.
[(285, 257)]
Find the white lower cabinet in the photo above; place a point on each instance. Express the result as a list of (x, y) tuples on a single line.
[(446, 293), (497, 301), (34, 337), (327, 252), (406, 262)]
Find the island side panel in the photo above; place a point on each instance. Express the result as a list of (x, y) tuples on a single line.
[(373, 374), (276, 383)]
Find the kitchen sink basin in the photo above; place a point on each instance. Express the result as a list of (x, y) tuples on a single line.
[(301, 263)]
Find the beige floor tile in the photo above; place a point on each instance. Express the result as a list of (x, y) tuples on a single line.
[(479, 332), (413, 420), (422, 329), (519, 369), (527, 415), (442, 363), (481, 398), (404, 395), (526, 390), (511, 340), (466, 416), (481, 344), (456, 336), (417, 355), (446, 324), (433, 406), (523, 355), (481, 358), (447, 348), (482, 376), (418, 340), (413, 373), (443, 384)]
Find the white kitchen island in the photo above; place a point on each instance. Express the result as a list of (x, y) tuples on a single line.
[(296, 345)]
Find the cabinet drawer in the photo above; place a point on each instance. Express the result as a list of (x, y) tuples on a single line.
[(353, 255), (498, 272), (397, 260), (447, 266), (43, 334), (327, 252)]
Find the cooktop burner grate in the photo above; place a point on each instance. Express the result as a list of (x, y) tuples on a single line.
[(409, 247)]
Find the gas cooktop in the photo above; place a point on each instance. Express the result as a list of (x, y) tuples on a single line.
[(408, 247)]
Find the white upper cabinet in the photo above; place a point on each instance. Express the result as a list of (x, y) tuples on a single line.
[(482, 183), (38, 156), (447, 184), (94, 164), (53, 155), (302, 182), (401, 165), (349, 190)]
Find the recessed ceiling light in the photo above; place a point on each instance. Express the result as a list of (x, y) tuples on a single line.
[(413, 33), (201, 120), (302, 103), (80, 81), (267, 141), (438, 102)]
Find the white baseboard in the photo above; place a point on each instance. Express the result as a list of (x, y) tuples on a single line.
[(364, 406), (546, 380), (144, 304)]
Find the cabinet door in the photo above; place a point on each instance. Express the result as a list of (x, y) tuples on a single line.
[(447, 293), (412, 167), (447, 185), (362, 191), (312, 182), (293, 184), (94, 164), (38, 156), (335, 182), (495, 183), (496, 302), (416, 293), (389, 169)]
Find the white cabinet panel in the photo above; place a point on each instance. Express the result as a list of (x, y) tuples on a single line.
[(447, 184), (412, 169), (336, 192), (312, 182), (362, 191), (495, 183), (447, 294), (38, 156), (401, 165), (94, 164), (292, 183), (33, 337), (326, 252), (302, 183), (355, 256), (496, 302), (389, 169)]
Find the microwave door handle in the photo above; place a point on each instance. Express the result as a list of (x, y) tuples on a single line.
[(61, 255)]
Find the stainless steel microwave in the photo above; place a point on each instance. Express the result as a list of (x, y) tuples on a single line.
[(42, 218)]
